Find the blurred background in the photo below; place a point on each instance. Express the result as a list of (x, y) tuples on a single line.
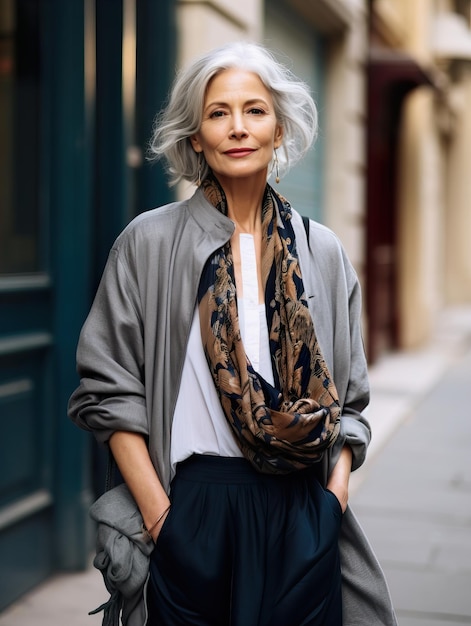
[(80, 84)]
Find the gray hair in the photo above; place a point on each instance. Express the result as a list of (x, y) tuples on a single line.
[(181, 118)]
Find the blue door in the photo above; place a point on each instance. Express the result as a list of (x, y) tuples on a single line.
[(44, 209), (68, 184)]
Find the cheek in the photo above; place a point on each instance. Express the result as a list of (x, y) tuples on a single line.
[(214, 146), (209, 141)]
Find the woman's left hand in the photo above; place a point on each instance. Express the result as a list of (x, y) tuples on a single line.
[(338, 480)]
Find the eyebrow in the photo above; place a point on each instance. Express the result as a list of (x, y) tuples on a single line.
[(250, 102)]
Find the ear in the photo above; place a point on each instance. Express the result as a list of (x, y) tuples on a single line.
[(278, 136), (195, 142)]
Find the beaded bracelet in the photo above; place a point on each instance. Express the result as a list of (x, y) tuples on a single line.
[(148, 531)]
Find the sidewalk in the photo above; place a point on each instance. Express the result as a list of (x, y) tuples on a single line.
[(413, 495), (414, 498)]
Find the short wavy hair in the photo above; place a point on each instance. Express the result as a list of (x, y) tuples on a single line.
[(182, 116)]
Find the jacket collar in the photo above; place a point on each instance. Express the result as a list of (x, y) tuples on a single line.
[(211, 221)]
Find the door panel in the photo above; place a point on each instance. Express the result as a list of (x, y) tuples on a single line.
[(391, 77), (26, 547), (26, 495)]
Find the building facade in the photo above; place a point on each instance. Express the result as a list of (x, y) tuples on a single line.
[(418, 208)]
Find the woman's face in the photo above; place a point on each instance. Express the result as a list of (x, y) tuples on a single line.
[(239, 130)]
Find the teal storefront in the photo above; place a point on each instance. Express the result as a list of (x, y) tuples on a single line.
[(80, 82)]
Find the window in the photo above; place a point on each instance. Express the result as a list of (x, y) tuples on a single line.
[(19, 136)]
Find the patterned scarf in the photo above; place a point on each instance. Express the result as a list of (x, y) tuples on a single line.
[(287, 427)]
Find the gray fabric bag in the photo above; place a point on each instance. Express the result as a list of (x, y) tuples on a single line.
[(122, 555)]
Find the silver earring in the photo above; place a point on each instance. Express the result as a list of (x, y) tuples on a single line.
[(276, 164), (199, 167)]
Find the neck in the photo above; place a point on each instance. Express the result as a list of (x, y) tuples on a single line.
[(244, 202)]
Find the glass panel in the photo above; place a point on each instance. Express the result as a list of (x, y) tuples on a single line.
[(19, 136)]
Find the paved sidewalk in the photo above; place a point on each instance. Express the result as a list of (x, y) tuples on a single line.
[(413, 495)]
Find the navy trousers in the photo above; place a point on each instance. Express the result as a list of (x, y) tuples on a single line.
[(240, 548)]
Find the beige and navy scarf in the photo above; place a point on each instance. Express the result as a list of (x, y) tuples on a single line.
[(288, 426)]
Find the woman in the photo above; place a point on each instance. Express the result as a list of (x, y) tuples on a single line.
[(222, 362)]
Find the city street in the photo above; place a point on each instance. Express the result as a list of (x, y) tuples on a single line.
[(136, 138)]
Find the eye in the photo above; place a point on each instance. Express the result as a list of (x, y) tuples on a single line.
[(215, 114), (256, 111)]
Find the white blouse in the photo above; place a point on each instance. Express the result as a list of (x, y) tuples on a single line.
[(199, 425)]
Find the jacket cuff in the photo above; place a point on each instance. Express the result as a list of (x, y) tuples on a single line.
[(356, 434)]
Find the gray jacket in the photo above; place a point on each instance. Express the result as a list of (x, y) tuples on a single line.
[(132, 347)]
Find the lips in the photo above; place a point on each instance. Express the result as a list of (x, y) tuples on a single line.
[(239, 152)]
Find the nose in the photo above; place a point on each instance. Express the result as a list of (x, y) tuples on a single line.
[(238, 129)]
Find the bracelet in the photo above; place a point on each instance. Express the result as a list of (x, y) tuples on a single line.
[(148, 531)]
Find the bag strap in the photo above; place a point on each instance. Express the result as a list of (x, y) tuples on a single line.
[(306, 222)]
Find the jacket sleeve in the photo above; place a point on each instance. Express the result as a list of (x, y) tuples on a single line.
[(354, 428), (335, 302), (110, 361)]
